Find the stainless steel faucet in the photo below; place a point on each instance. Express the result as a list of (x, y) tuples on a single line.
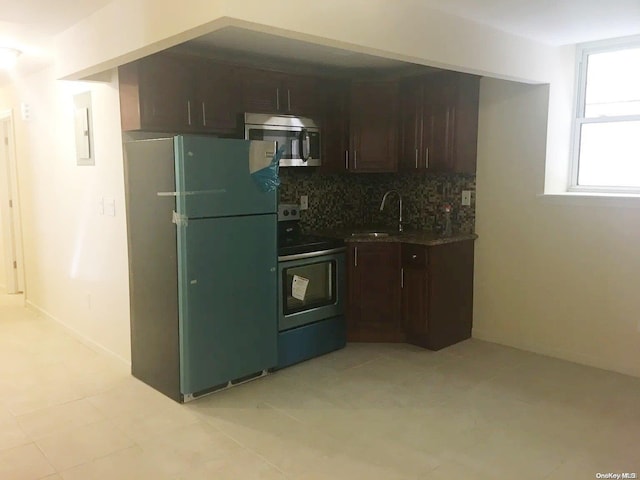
[(399, 209)]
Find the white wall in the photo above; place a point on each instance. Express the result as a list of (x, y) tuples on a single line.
[(75, 258), (556, 278), (4, 222), (3, 274)]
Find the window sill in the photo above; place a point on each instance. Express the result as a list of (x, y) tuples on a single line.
[(592, 199)]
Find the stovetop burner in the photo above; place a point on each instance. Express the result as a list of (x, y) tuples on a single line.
[(291, 241), (306, 243)]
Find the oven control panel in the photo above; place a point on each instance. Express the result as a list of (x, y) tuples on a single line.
[(288, 211)]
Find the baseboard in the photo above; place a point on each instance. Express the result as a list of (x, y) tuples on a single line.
[(92, 344), (570, 356)]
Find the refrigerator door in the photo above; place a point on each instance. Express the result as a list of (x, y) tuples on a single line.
[(228, 300), (213, 177)]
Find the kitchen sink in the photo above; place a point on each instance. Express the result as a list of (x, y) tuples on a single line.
[(370, 234)]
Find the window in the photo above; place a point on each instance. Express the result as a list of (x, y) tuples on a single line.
[(606, 153)]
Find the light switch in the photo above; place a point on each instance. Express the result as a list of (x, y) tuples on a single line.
[(25, 111)]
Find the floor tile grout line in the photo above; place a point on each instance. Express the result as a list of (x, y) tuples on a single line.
[(46, 458), (99, 457)]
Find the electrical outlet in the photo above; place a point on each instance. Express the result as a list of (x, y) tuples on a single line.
[(466, 198), (304, 202)]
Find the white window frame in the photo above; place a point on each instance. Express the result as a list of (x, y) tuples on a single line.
[(582, 54)]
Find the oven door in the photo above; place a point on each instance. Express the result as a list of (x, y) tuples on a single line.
[(312, 287)]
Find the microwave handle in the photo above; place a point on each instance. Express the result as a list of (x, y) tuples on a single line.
[(305, 145)]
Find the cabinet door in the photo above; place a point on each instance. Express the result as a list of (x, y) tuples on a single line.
[(439, 111), (451, 293), (300, 96), (465, 139), (411, 117), (335, 127), (415, 305), (415, 294), (260, 90), (450, 129), (373, 127), (166, 86), (374, 293), (218, 103)]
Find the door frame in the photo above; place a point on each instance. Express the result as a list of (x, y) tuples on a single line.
[(11, 227)]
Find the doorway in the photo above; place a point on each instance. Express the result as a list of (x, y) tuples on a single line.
[(11, 257)]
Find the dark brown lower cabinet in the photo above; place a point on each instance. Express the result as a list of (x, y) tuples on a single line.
[(373, 276), (437, 293), (410, 293)]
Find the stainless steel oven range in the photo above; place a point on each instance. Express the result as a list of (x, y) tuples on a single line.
[(312, 275)]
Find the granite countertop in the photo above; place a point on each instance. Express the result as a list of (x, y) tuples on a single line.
[(418, 237)]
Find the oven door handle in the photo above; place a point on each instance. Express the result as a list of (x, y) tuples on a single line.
[(300, 256)]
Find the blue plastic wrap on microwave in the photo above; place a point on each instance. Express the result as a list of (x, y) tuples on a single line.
[(267, 178)]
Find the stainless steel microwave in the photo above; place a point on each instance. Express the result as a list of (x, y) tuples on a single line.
[(299, 136)]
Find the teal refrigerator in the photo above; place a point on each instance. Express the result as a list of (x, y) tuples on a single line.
[(201, 222)]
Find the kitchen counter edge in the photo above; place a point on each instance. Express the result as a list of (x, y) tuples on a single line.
[(412, 237)]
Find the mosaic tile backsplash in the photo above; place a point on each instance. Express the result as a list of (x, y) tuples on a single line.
[(353, 200)]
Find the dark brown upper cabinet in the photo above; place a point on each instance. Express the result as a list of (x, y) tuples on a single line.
[(217, 105), (335, 126), (373, 127), (439, 123), (275, 92), (154, 93), (411, 124), (171, 93)]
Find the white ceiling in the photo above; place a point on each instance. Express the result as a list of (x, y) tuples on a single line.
[(555, 22), (235, 40), (29, 24)]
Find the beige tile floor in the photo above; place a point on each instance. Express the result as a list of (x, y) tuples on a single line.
[(473, 411)]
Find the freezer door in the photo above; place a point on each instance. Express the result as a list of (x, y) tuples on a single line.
[(228, 299), (213, 177)]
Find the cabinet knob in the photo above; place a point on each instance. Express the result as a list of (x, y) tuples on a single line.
[(414, 257)]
